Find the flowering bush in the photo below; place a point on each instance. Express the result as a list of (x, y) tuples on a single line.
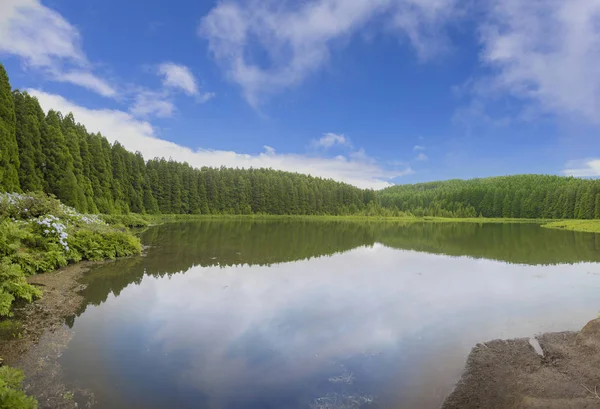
[(39, 234), (52, 227)]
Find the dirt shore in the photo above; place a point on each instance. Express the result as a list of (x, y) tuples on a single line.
[(511, 374), (38, 336)]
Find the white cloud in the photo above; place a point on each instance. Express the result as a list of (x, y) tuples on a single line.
[(148, 103), (179, 77), (330, 139), (293, 42), (44, 40), (583, 168), (421, 157), (37, 34), (547, 52), (205, 97), (88, 80), (138, 135), (419, 148)]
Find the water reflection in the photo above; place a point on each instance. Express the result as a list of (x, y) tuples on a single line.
[(235, 330)]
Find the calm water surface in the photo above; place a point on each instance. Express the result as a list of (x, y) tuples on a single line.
[(294, 314)]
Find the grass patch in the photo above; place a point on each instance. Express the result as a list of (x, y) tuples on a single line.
[(588, 226), (158, 219)]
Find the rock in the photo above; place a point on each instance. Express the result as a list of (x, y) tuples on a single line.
[(590, 335)]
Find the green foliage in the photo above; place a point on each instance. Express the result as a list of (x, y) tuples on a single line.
[(83, 170), (11, 394), (39, 234), (590, 226), (127, 220), (56, 155), (9, 151), (520, 196), (10, 329), (13, 285), (23, 207), (100, 243)]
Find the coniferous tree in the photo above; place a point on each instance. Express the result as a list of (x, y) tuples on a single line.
[(58, 169), (9, 149), (29, 118)]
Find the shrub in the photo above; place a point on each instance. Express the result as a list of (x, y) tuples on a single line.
[(11, 394), (14, 286), (39, 234), (127, 220), (101, 243), (26, 206)]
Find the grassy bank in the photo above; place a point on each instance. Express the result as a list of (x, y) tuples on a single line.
[(39, 234), (590, 226), (138, 220)]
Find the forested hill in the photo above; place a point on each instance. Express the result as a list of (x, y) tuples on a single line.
[(526, 196), (55, 154)]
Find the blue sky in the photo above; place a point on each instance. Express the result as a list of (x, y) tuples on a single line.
[(370, 92)]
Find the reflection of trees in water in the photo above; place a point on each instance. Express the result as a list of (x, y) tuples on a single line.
[(512, 243), (177, 247)]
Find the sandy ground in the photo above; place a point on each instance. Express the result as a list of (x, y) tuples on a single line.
[(510, 374)]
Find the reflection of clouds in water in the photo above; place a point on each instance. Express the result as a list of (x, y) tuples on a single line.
[(242, 328)]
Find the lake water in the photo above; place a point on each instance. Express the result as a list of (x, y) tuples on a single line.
[(305, 314)]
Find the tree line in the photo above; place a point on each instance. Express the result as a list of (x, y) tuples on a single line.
[(55, 154), (519, 196)]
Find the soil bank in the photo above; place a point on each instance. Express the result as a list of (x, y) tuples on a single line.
[(511, 374), (40, 336)]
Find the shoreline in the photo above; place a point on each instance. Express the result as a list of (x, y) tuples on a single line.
[(60, 300), (40, 335), (576, 225), (510, 374)]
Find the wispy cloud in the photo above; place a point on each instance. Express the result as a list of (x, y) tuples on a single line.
[(47, 42), (546, 52), (44, 40), (138, 135), (88, 80), (422, 157), (583, 168), (297, 39), (179, 77), (329, 140), (419, 148), (147, 103)]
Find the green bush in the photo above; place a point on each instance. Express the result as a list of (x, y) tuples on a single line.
[(127, 220), (11, 394), (26, 206), (102, 243), (13, 285), (39, 234)]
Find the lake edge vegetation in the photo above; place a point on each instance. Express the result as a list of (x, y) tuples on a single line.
[(52, 153)]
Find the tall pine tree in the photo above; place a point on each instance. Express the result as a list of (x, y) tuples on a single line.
[(9, 149), (29, 124)]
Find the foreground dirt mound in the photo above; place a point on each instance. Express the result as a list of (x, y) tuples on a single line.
[(510, 374)]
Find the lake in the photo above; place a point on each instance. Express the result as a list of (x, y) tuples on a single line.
[(288, 314)]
